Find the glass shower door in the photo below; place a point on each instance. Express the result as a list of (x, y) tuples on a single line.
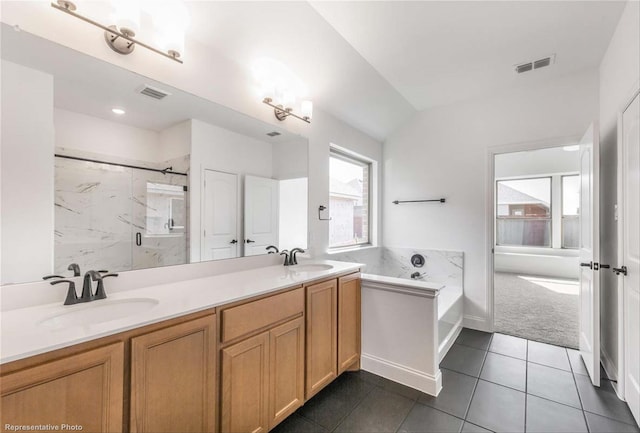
[(159, 219)]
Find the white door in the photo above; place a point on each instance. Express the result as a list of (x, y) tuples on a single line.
[(219, 216), (589, 254), (261, 202), (630, 246)]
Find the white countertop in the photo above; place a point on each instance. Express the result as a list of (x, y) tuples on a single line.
[(23, 335)]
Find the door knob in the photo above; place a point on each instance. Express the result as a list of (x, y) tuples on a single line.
[(249, 241), (618, 271), (233, 241), (587, 265)]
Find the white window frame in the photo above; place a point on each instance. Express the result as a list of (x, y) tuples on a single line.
[(354, 158)]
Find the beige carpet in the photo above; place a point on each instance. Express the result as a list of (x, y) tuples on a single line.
[(537, 308)]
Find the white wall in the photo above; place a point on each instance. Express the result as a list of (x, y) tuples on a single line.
[(175, 141), (229, 85), (619, 75), (293, 213), (443, 152), (103, 137), (219, 149), (291, 159), (27, 174)]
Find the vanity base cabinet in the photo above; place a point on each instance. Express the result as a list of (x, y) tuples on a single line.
[(263, 379), (286, 370), (244, 386), (349, 322), (173, 378), (322, 325), (85, 389)]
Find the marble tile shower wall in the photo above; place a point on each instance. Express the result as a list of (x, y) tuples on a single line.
[(98, 210), (440, 266)]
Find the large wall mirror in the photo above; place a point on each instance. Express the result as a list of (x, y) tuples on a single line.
[(170, 179)]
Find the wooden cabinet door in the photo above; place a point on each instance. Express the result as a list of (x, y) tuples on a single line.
[(348, 321), (286, 370), (244, 393), (84, 390), (321, 333), (173, 378)]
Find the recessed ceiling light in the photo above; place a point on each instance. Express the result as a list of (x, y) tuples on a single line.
[(572, 148), (118, 111)]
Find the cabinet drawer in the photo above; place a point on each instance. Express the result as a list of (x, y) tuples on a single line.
[(252, 316)]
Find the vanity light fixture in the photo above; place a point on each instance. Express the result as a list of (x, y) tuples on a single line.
[(118, 111), (282, 113), (121, 36)]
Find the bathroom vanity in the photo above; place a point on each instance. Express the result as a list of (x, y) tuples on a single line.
[(232, 352)]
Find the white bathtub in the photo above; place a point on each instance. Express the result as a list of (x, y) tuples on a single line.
[(407, 328), (409, 325)]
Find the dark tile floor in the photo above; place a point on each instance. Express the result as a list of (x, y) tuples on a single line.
[(490, 383)]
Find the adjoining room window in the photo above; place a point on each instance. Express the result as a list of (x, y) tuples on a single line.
[(350, 199), (524, 212), (570, 211)]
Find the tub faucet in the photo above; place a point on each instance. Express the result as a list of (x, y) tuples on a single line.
[(416, 275)]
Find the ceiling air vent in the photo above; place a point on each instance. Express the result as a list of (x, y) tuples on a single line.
[(273, 134), (153, 92), (535, 64), (525, 67)]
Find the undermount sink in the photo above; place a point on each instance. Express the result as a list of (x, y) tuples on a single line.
[(99, 312), (311, 268)]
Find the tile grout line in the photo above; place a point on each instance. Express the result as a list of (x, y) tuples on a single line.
[(575, 383), (406, 416), (356, 406), (475, 387)]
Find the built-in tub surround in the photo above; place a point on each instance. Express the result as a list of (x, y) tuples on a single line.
[(27, 331), (408, 325)]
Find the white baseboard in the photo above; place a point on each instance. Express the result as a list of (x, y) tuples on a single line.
[(477, 322), (449, 340), (410, 377), (610, 368)]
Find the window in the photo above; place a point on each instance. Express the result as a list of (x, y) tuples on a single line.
[(349, 200), (524, 212), (570, 211)]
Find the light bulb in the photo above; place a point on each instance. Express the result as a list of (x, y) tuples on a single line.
[(307, 109), (171, 20), (127, 16)]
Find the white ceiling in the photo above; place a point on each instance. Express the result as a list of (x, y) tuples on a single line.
[(439, 52), (339, 79), (374, 63)]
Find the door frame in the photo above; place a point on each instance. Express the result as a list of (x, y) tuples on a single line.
[(490, 210), (620, 386)]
